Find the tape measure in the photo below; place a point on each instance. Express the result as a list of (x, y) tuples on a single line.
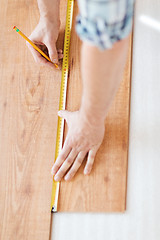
[(62, 100)]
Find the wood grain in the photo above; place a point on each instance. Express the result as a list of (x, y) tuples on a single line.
[(29, 99), (104, 190)]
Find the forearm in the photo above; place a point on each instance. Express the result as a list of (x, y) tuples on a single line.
[(101, 73), (49, 9)]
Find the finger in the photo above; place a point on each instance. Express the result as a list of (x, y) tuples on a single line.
[(65, 114), (52, 51), (90, 161), (76, 165), (62, 156), (39, 59), (60, 55), (37, 56), (66, 164), (59, 50)]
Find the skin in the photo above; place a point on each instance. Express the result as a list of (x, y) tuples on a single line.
[(101, 73), (46, 33)]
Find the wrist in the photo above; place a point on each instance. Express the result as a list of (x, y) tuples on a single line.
[(54, 21), (91, 116), (50, 11)]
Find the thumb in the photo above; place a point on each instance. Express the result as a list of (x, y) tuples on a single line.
[(52, 52), (64, 114)]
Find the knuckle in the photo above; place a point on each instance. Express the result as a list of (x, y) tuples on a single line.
[(62, 156), (61, 173), (69, 144), (69, 160), (78, 147), (79, 160)]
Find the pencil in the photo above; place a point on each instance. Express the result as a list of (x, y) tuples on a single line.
[(35, 46)]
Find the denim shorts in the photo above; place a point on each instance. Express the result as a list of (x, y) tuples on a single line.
[(104, 22)]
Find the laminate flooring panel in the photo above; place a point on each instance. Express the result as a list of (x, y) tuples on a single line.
[(141, 218), (104, 190), (28, 104)]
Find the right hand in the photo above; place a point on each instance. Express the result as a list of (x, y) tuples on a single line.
[(45, 36)]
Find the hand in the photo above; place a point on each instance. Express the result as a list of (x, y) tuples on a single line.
[(45, 36), (82, 138)]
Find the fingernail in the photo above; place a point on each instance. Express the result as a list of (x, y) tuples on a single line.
[(66, 178), (85, 171), (56, 178)]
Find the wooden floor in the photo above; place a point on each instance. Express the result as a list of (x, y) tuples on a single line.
[(28, 105), (141, 218)]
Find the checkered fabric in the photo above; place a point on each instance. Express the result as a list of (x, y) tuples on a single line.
[(104, 22)]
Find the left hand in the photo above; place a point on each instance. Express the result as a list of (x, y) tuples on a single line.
[(82, 138)]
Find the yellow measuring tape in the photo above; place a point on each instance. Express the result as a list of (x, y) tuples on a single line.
[(62, 100)]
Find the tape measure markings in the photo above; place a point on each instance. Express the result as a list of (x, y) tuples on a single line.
[(62, 99)]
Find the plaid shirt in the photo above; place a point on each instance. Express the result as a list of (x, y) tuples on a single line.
[(104, 22)]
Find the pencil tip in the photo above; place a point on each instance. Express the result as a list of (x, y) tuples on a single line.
[(14, 27)]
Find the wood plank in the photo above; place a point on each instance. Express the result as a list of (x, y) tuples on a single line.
[(141, 220), (29, 99), (104, 190)]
